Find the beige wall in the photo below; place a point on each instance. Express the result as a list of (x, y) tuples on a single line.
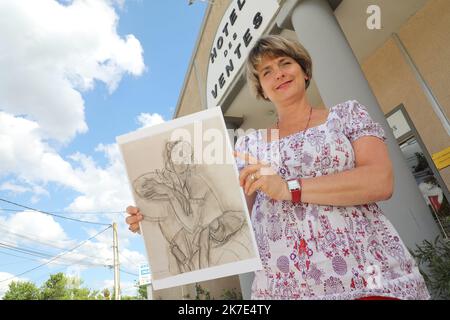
[(190, 97), (191, 101), (427, 39)]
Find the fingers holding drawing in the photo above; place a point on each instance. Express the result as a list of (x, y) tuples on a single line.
[(133, 219)]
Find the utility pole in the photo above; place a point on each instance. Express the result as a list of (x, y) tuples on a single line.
[(116, 263)]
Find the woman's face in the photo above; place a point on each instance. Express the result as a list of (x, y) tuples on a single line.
[(282, 79)]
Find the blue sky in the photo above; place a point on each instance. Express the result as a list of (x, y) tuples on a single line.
[(76, 74)]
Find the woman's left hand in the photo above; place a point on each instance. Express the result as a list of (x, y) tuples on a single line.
[(260, 176)]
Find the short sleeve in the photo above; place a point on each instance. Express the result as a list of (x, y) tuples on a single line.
[(247, 144), (241, 146), (358, 122)]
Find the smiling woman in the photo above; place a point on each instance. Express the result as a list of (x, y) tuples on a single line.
[(319, 231)]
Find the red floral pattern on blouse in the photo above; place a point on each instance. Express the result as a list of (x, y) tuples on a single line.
[(319, 251)]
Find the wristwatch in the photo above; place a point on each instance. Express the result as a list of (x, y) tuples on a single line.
[(295, 188)]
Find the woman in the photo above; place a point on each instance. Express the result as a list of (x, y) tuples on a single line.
[(319, 232), (328, 240)]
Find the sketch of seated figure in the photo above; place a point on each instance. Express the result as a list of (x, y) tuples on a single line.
[(199, 232)]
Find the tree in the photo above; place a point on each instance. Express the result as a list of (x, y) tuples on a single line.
[(434, 265), (22, 290), (106, 294), (142, 292), (61, 287), (201, 293), (55, 288), (75, 291)]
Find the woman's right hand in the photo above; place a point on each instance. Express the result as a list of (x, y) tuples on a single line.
[(133, 219)]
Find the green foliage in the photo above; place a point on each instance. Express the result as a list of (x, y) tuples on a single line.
[(435, 258), (232, 294), (106, 294), (204, 294), (22, 290), (422, 163), (201, 293), (142, 292), (187, 296), (55, 288), (61, 287)]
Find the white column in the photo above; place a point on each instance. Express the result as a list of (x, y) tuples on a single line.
[(246, 280), (339, 78)]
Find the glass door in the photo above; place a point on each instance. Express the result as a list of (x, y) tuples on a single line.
[(428, 179), (429, 186)]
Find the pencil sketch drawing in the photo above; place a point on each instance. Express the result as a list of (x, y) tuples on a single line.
[(199, 232)]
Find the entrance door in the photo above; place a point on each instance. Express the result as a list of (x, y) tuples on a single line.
[(428, 179), (429, 186)]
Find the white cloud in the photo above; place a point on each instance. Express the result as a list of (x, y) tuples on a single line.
[(34, 225), (41, 232), (28, 157), (24, 186), (14, 188), (103, 189), (51, 52), (149, 119), (4, 285)]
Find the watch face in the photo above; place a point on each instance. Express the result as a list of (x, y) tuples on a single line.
[(293, 184)]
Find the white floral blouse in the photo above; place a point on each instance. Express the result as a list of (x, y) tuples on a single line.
[(313, 251)]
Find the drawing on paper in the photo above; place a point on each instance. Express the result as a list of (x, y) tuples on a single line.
[(196, 224), (186, 225)]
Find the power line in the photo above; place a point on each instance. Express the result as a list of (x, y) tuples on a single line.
[(59, 263), (52, 214), (57, 256), (36, 240), (10, 263), (69, 212), (44, 255), (133, 274), (61, 269), (40, 254), (25, 250), (15, 255)]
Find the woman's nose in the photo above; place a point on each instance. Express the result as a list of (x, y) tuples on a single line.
[(279, 74)]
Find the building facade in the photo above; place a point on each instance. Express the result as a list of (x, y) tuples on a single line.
[(392, 56)]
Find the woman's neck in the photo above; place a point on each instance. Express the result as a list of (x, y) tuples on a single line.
[(293, 114)]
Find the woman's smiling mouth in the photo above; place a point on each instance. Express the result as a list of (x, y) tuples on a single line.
[(283, 85)]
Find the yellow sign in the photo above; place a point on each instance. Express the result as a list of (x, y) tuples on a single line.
[(442, 158)]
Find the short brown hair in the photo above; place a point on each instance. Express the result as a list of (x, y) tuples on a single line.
[(275, 46)]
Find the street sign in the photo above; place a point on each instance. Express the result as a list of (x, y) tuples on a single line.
[(145, 275)]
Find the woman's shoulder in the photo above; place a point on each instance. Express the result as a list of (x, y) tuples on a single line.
[(347, 106), (346, 112), (248, 136), (356, 120)]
